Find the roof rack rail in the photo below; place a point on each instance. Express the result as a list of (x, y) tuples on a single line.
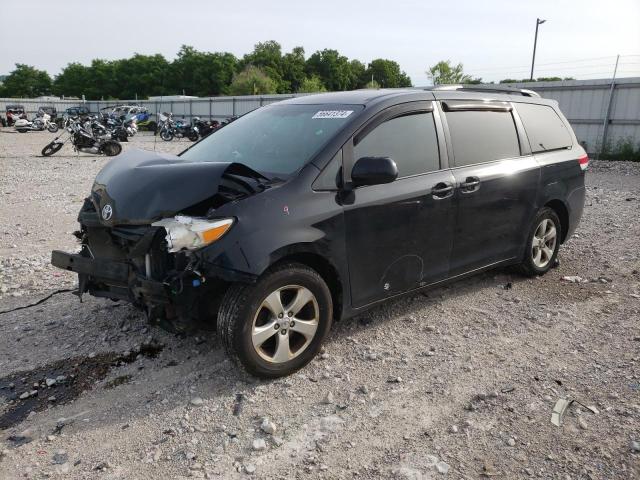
[(487, 88)]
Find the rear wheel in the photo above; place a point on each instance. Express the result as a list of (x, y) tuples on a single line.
[(22, 130), (111, 148), (543, 243), (276, 326), (52, 148)]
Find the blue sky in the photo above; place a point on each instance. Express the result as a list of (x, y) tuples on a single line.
[(493, 39)]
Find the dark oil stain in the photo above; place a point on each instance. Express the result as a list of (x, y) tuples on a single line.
[(73, 376)]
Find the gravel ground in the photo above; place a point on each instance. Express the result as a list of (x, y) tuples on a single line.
[(457, 382)]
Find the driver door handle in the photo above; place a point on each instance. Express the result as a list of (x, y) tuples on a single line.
[(442, 190)]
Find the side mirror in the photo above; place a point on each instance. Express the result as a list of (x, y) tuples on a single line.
[(373, 171)]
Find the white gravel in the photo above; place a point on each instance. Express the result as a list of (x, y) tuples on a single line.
[(489, 355)]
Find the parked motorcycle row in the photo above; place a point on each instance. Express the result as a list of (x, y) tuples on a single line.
[(168, 128), (101, 134), (42, 121)]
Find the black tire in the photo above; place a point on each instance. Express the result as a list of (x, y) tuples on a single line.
[(193, 136), (111, 148), (22, 130), (166, 135), (51, 148), (529, 266), (53, 128), (241, 304)]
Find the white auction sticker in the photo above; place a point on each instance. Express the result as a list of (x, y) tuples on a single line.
[(333, 114)]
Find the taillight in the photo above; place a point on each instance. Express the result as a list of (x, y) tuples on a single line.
[(584, 162)]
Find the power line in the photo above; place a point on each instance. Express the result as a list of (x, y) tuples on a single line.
[(612, 57)]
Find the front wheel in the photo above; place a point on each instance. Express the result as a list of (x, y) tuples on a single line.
[(276, 326), (22, 130), (166, 135), (53, 128), (51, 148), (543, 243), (193, 136)]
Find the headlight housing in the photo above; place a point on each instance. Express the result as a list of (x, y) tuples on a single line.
[(192, 233)]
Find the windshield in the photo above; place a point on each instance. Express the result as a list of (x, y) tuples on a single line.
[(276, 140)]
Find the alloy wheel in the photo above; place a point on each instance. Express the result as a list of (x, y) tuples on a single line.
[(285, 323), (544, 243)]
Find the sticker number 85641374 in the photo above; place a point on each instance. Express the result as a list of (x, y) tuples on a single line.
[(333, 114)]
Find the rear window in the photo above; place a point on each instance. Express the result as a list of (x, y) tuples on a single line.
[(482, 136), (545, 129)]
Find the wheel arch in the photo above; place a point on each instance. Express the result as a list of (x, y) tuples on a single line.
[(562, 211), (320, 264)]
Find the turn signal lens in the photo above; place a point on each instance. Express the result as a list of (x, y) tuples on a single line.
[(213, 234), (584, 162)]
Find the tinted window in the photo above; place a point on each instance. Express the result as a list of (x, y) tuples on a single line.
[(409, 140), (544, 128), (276, 140), (481, 136)]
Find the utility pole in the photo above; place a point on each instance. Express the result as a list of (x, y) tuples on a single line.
[(535, 42), (607, 115)]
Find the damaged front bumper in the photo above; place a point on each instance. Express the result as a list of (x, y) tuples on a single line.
[(134, 263), (111, 279)]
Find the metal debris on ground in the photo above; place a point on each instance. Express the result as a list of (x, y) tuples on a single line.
[(559, 410), (561, 407)]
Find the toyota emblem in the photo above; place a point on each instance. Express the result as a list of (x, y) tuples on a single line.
[(107, 212)]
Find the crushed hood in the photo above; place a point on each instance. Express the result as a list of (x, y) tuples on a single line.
[(139, 186)]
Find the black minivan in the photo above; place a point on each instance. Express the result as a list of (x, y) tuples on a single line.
[(319, 207)]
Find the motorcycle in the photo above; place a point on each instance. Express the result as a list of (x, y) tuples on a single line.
[(41, 122), (84, 140), (169, 128), (205, 128)]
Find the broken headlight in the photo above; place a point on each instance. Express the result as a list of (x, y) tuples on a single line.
[(192, 233)]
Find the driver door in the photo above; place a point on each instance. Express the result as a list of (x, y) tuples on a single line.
[(399, 235)]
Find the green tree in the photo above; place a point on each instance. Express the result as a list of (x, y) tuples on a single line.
[(72, 81), (141, 76), (443, 73), (387, 73), (357, 74), (267, 56), (103, 82), (372, 84), (293, 69), (252, 81), (312, 84), (333, 69), (201, 73), (26, 81)]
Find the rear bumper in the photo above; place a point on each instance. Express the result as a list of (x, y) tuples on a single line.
[(111, 279)]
